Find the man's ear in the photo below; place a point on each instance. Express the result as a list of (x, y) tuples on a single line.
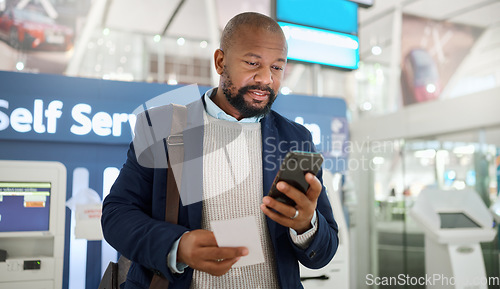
[(219, 61)]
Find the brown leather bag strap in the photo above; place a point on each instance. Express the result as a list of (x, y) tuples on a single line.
[(175, 147), (172, 200)]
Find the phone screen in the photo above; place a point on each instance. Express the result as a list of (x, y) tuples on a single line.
[(293, 170)]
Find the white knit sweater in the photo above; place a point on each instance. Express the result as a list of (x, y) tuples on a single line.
[(232, 188)]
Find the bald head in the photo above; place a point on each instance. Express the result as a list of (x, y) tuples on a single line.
[(250, 20)]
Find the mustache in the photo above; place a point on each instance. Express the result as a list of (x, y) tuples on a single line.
[(245, 89)]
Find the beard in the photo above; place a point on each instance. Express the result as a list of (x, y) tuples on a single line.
[(237, 100)]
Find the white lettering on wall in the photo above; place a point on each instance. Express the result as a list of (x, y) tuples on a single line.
[(313, 128), (118, 119), (38, 125), (102, 123), (21, 119), (4, 118), (42, 120), (52, 113), (84, 121)]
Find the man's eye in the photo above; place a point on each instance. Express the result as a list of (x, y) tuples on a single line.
[(277, 68), (251, 63)]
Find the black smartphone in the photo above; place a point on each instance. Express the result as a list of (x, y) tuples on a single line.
[(293, 170)]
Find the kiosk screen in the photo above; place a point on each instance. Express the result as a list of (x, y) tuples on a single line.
[(24, 206), (456, 220)]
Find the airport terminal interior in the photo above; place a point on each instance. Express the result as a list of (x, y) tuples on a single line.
[(402, 98)]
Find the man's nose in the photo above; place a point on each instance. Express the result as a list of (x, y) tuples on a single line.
[(264, 76)]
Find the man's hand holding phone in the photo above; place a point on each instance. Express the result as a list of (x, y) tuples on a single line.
[(292, 200), (298, 217)]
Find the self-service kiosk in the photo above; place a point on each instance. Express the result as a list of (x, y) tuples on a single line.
[(454, 223), (32, 218), (336, 273)]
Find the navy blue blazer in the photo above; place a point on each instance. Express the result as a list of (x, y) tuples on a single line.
[(134, 211)]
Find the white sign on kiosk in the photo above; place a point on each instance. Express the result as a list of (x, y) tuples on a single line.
[(454, 223), (32, 220)]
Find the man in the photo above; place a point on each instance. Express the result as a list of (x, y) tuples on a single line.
[(250, 61)]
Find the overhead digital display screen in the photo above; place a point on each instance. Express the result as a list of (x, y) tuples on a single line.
[(336, 15), (321, 46), (24, 206)]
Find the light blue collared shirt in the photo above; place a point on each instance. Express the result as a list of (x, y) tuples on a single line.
[(214, 111)]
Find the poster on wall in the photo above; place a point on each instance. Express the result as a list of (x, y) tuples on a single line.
[(38, 35), (431, 51)]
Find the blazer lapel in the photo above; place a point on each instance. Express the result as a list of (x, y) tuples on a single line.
[(270, 141), (270, 163)]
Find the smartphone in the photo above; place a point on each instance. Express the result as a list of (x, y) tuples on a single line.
[(293, 170)]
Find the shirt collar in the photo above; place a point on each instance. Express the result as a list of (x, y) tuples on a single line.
[(214, 111)]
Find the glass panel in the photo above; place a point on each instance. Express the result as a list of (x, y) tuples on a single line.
[(402, 169), (390, 207)]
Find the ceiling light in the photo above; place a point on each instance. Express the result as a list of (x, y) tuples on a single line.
[(464, 150), (20, 65), (105, 31), (367, 106), (376, 50), (429, 154), (450, 175), (181, 41), (285, 90), (378, 160), (157, 38), (172, 80), (459, 185), (203, 44), (431, 88)]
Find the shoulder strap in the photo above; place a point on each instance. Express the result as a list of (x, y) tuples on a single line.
[(175, 146)]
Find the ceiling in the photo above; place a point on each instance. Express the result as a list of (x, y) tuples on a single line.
[(191, 20), (481, 13), (376, 23), (176, 18)]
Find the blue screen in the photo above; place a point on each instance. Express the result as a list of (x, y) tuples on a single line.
[(321, 46), (24, 206), (337, 15)]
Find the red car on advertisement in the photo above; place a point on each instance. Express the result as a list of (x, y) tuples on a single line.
[(34, 30)]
